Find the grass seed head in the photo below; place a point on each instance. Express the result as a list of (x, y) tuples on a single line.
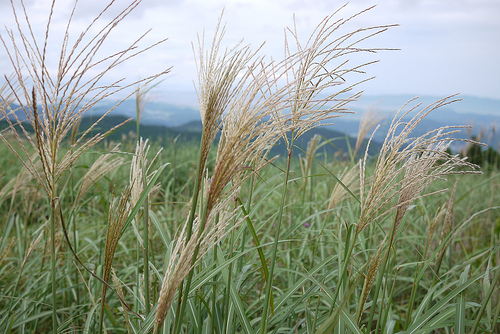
[(406, 166), (118, 214), (104, 164), (53, 102), (369, 121), (350, 178)]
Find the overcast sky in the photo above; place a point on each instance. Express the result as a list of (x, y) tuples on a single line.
[(447, 46)]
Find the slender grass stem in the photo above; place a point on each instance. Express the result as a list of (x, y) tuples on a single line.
[(191, 273), (269, 283), (146, 259), (181, 302), (244, 234), (228, 288), (146, 246), (381, 274), (53, 264), (214, 293), (347, 261)]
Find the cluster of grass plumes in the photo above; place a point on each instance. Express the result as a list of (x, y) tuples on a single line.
[(436, 230), (240, 241), (53, 102)]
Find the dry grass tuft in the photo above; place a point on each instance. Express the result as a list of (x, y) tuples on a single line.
[(444, 241), (119, 290), (318, 71), (140, 170), (255, 103), (219, 84), (433, 225), (373, 269), (54, 102), (104, 164), (7, 249), (369, 121), (350, 179), (306, 162), (118, 214), (406, 166), (186, 254), (53, 99)]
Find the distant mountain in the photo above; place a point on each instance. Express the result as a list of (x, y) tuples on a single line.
[(155, 113), (182, 117), (481, 113), (470, 105), (153, 132), (336, 142)]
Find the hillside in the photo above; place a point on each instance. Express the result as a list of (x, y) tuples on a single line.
[(191, 132)]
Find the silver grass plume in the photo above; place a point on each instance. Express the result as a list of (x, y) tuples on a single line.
[(369, 121), (53, 102), (255, 103), (182, 257), (140, 170), (319, 70), (104, 164), (349, 178), (406, 166), (117, 216)]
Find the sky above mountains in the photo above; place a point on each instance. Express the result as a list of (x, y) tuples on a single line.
[(446, 46)]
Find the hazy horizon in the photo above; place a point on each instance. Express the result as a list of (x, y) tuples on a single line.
[(446, 47)]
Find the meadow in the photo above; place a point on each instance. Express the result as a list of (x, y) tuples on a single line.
[(221, 236)]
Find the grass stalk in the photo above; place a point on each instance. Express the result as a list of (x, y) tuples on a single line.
[(189, 279), (381, 274), (227, 312), (268, 292), (213, 325), (496, 280), (182, 291), (53, 264), (146, 246)]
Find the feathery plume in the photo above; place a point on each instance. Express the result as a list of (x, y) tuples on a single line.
[(7, 249), (54, 102), (447, 227), (369, 120), (183, 259), (306, 162), (433, 226), (118, 214), (417, 158), (119, 290), (350, 179), (255, 103), (140, 168), (318, 70), (103, 165), (32, 246), (375, 263), (219, 84)]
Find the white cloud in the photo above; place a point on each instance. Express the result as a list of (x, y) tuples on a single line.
[(447, 46)]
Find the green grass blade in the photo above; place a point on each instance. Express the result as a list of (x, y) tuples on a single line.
[(460, 305), (438, 307), (143, 196), (240, 310), (88, 322)]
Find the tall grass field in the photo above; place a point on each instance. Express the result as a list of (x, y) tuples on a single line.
[(223, 235)]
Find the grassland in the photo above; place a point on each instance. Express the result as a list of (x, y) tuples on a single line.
[(223, 236), (310, 255)]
